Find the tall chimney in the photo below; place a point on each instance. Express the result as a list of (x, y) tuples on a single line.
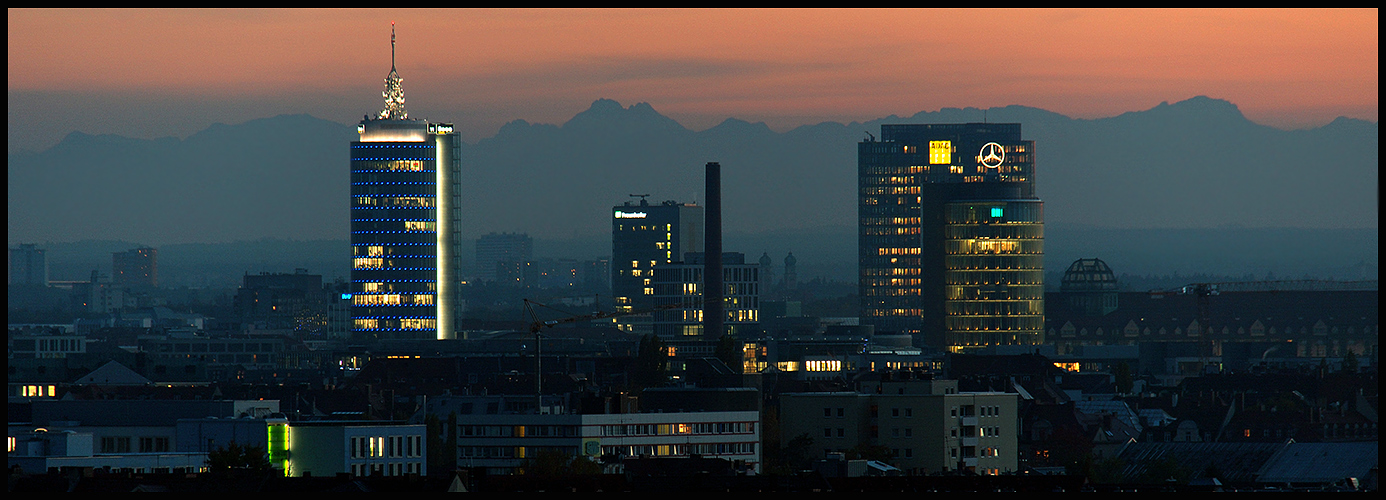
[(713, 315)]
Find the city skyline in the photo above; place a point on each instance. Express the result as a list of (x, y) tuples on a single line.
[(110, 71), (513, 290), (761, 215)]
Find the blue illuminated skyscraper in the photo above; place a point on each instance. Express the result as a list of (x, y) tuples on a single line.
[(405, 223)]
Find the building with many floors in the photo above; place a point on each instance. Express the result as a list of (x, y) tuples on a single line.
[(951, 235)]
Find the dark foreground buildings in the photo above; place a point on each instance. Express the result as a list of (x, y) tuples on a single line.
[(951, 235)]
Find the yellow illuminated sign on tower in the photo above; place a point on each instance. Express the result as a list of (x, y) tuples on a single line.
[(940, 152)]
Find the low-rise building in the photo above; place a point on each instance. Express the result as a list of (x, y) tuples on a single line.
[(503, 443), (361, 448), (923, 428)]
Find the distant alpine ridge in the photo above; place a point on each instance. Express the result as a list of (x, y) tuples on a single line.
[(1198, 163)]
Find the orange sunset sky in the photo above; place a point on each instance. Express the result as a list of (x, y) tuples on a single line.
[(151, 73)]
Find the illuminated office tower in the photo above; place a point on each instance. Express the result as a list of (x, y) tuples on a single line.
[(405, 223), (643, 236), (951, 235)]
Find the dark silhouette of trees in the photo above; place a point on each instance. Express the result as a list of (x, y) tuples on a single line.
[(234, 457), (651, 363), (729, 350), (1124, 380)]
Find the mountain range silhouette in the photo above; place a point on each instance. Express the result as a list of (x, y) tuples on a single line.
[(1198, 163)]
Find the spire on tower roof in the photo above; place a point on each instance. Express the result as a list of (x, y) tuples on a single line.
[(394, 88)]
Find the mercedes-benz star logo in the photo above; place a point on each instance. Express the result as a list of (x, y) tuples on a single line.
[(992, 155)]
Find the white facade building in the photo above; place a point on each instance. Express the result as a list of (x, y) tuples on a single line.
[(502, 443)]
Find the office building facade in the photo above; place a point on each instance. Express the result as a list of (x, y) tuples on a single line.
[(681, 284), (508, 251), (951, 235), (405, 223), (643, 236), (136, 268), (28, 265), (927, 433), (361, 448), (502, 443)]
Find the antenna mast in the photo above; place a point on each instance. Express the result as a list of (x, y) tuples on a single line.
[(394, 88)]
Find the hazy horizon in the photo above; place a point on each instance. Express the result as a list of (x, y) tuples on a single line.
[(114, 71)]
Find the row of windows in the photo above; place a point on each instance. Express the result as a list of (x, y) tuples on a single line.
[(49, 344), (1017, 211), (393, 225), (163, 347), (993, 307), (420, 279), (392, 232), (393, 183), (875, 191), (511, 451), (889, 262), (888, 221), (888, 180), (395, 201), (889, 170), (994, 276), (388, 250), (519, 430), (991, 246), (392, 299), (961, 323), (970, 263), (677, 429), (692, 314), (392, 145), (667, 228), (259, 359), (685, 292), (664, 450), (894, 271), (387, 469), (121, 444), (892, 292), (887, 231), (395, 323), (894, 312), (873, 282), (1007, 231), (387, 287), (386, 446), (392, 165), (376, 263), (963, 342)]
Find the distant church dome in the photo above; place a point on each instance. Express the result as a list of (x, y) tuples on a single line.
[(1089, 287), (1088, 275)]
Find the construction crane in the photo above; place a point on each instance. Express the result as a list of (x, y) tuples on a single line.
[(1202, 292), (536, 326)]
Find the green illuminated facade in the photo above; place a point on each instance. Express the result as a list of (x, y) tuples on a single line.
[(951, 235)]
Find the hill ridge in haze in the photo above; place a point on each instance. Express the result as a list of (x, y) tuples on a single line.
[(1192, 163)]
